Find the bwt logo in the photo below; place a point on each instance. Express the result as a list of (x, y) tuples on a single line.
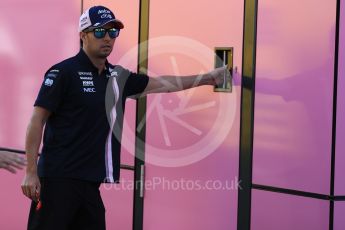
[(88, 83)]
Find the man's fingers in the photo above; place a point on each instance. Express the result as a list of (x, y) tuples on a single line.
[(26, 191), (9, 168), (20, 161), (18, 165), (31, 186), (11, 161), (38, 192), (32, 192), (17, 159), (228, 74)]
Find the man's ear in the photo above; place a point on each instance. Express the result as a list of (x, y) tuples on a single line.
[(82, 36)]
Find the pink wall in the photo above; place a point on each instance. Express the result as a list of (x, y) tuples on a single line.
[(340, 144), (294, 85), (271, 211), (33, 37)]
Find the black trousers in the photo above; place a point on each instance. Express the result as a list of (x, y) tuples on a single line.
[(68, 204)]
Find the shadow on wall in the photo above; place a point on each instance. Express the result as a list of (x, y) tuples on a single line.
[(311, 88), (293, 110)]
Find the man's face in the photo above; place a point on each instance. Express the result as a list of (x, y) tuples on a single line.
[(98, 47)]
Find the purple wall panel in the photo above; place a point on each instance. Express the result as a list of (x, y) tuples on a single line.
[(293, 105), (271, 211), (340, 143), (339, 220)]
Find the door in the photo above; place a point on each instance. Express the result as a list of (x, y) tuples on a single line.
[(192, 136)]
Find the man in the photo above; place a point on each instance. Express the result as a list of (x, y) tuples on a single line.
[(81, 104), (11, 161)]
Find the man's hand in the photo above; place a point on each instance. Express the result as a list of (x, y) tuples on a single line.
[(219, 75), (11, 161), (31, 186)]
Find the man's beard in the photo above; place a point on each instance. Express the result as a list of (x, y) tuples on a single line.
[(103, 55)]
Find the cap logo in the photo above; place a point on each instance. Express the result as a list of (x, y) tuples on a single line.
[(106, 16), (83, 19), (104, 11)]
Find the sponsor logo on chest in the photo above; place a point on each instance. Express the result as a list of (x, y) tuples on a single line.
[(89, 90), (87, 81), (112, 72), (85, 74), (48, 82)]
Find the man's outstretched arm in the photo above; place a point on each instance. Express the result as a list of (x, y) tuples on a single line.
[(168, 83)]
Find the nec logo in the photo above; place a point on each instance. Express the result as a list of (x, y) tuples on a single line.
[(89, 90)]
